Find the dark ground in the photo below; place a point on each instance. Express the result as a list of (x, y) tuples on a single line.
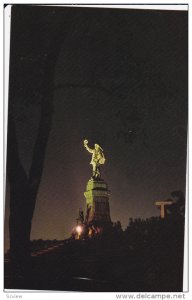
[(102, 265)]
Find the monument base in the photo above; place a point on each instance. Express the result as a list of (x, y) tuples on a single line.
[(97, 204)]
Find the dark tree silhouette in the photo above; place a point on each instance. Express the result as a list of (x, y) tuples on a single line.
[(43, 49), (157, 247), (178, 206)]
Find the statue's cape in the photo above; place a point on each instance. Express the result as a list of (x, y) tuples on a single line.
[(101, 158)]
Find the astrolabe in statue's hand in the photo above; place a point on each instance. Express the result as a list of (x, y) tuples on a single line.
[(85, 142)]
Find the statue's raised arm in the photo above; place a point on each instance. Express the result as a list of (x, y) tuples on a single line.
[(98, 159), (87, 147)]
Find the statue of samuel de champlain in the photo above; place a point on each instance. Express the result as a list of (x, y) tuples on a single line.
[(98, 159)]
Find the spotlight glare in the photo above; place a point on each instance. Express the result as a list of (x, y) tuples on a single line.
[(79, 229)]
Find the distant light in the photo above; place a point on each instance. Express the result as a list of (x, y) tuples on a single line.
[(79, 229)]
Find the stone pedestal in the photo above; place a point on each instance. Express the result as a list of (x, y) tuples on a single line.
[(97, 202)]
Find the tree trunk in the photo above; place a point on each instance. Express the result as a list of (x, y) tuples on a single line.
[(23, 188)]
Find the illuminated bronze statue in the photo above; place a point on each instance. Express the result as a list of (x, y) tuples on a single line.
[(97, 159)]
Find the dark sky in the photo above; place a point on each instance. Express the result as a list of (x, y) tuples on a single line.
[(120, 80)]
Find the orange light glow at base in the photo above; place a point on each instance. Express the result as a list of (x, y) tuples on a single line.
[(79, 230)]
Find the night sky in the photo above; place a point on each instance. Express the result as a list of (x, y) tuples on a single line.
[(120, 80)]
